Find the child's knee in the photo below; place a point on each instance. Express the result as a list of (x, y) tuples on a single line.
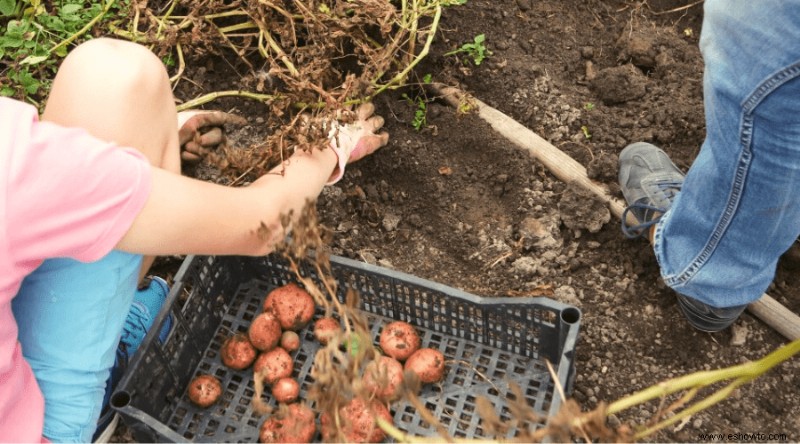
[(118, 63)]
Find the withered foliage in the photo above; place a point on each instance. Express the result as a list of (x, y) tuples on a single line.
[(309, 60), (339, 366), (310, 56)]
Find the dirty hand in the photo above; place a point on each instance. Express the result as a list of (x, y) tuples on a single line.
[(354, 141), (201, 131)]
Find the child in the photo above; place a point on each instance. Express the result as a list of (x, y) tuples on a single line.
[(100, 172)]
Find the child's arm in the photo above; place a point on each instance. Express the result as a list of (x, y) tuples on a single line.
[(187, 216)]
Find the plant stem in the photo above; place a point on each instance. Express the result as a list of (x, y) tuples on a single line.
[(181, 65), (266, 98), (163, 18), (739, 374), (403, 74), (85, 28), (238, 27), (275, 47)]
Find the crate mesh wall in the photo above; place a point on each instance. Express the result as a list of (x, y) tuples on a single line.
[(489, 344)]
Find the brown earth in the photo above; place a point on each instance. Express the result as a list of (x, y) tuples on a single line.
[(458, 204)]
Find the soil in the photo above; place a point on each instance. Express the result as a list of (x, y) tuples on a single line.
[(456, 203)]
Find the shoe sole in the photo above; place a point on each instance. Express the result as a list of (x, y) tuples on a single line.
[(105, 437), (706, 322)]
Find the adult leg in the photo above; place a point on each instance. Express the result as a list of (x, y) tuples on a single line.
[(71, 314), (739, 208)]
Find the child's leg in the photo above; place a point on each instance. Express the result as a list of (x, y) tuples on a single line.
[(70, 314), (120, 92)]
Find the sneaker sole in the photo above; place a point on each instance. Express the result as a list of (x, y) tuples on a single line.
[(105, 437)]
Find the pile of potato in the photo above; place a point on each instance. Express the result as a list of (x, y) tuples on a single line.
[(270, 339)]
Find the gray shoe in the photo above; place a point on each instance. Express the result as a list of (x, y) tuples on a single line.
[(649, 181)]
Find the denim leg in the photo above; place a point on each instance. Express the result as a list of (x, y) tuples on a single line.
[(739, 208), (70, 316)]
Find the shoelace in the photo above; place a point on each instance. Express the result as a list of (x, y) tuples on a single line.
[(669, 189), (634, 231), (135, 329)]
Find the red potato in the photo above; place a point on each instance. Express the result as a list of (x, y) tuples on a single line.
[(383, 377), (290, 341), (325, 329), (237, 352), (204, 390), (286, 390), (296, 426), (265, 332), (399, 340), (273, 365), (427, 364), (357, 421), (292, 305)]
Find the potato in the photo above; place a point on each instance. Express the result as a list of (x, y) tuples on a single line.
[(297, 425), (383, 377), (274, 365), (292, 305), (204, 390), (357, 421), (325, 329), (286, 390), (265, 332), (237, 352), (290, 341), (427, 364), (399, 340)]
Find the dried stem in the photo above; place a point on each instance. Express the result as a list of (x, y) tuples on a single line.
[(202, 100)]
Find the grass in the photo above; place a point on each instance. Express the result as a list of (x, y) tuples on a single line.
[(35, 37), (475, 50)]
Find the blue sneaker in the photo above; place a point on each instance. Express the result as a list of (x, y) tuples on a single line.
[(147, 302)]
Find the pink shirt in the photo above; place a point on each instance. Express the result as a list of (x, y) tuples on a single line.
[(63, 193)]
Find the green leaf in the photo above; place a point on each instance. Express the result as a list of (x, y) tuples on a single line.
[(16, 27), (70, 9), (28, 82), (11, 41), (427, 78), (32, 88), (7, 91), (7, 7), (33, 60)]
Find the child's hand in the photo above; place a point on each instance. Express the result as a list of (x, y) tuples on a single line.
[(201, 131), (356, 140)]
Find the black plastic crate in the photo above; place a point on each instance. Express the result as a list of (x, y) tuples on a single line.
[(503, 339)]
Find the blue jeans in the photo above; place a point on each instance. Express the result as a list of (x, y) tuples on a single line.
[(739, 209), (70, 317)]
